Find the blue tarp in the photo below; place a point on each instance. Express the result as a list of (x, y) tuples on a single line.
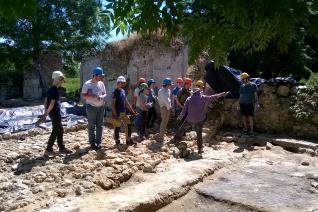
[(24, 118)]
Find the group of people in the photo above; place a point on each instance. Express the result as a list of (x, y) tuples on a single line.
[(186, 100)]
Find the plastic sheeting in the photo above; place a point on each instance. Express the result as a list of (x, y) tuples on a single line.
[(228, 79), (24, 118)]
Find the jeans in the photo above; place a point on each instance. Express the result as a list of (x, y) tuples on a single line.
[(95, 116), (57, 132), (197, 127), (152, 117), (144, 116)]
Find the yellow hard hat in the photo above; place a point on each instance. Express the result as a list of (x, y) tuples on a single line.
[(244, 75), (199, 83)]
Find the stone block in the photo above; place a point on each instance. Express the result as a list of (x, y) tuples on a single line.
[(283, 91)]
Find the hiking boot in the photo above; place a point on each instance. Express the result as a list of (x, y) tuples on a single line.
[(65, 151), (49, 153), (93, 147)]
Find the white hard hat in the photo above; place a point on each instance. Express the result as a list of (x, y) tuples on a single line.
[(57, 75), (121, 79)]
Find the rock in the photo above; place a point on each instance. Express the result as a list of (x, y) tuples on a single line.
[(311, 152), (119, 161), (39, 177), (78, 190), (6, 135), (66, 183), (14, 167), (104, 183), (76, 146), (314, 184), (38, 189), (61, 192), (148, 168), (305, 163), (301, 150), (283, 90), (293, 90), (175, 152), (269, 146), (241, 140)]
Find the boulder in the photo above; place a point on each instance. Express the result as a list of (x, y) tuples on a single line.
[(283, 91)]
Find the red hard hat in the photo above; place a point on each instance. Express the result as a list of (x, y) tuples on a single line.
[(187, 81), (179, 80), (142, 80)]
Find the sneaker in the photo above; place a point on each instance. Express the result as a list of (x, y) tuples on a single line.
[(99, 147), (49, 153), (93, 147), (65, 151)]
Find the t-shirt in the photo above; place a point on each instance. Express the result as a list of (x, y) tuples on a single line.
[(247, 93), (53, 94), (136, 94), (94, 88), (182, 95), (142, 98), (120, 102)]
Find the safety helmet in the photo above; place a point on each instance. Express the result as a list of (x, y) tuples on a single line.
[(143, 86), (187, 80), (199, 83), (142, 80), (57, 75), (179, 80), (151, 81), (244, 75), (98, 71), (167, 81), (121, 79)]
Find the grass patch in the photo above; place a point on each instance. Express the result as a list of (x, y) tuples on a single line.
[(312, 81), (72, 86)]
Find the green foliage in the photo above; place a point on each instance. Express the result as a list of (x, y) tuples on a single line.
[(72, 86), (312, 81), (72, 27), (217, 26), (13, 9)]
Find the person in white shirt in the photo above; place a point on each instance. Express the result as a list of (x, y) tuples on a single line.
[(94, 93), (136, 92), (164, 100)]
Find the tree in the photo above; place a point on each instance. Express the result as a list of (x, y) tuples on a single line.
[(220, 27), (73, 27)]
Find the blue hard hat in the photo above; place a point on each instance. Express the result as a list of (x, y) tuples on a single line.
[(98, 70), (151, 81), (167, 81)]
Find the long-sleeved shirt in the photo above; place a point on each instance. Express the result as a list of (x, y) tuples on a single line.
[(195, 106), (164, 98)]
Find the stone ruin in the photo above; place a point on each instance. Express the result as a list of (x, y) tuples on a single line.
[(136, 57), (38, 76)]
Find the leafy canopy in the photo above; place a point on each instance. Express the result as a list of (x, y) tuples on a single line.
[(218, 26), (72, 27)]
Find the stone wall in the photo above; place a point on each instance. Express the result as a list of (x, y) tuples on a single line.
[(38, 77), (138, 57), (9, 89), (295, 114)]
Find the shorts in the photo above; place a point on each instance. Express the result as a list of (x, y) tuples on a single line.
[(247, 109)]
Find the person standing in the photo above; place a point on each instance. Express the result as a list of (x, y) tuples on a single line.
[(143, 109), (136, 91), (248, 100), (176, 107), (52, 108), (184, 93), (194, 113), (94, 93), (152, 98), (119, 106), (164, 99)]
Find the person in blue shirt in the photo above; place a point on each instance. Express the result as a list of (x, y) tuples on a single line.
[(248, 100), (119, 106)]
